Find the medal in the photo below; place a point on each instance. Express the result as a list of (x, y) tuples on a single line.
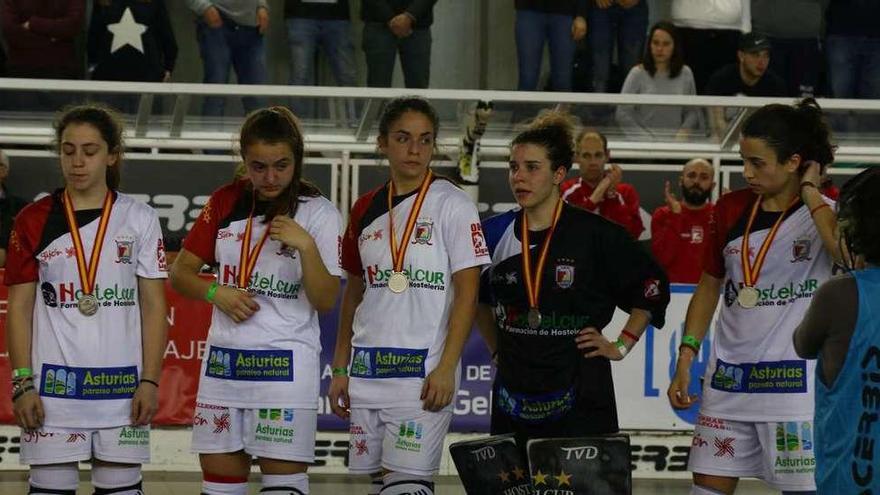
[(534, 318), (749, 296), (398, 281), (248, 257), (87, 303), (533, 281)]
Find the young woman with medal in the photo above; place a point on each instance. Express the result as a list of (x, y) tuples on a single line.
[(87, 358), (558, 272), (412, 252), (769, 247), (275, 240)]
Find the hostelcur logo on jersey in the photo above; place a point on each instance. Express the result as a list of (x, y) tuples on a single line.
[(66, 294), (388, 362), (275, 365), (773, 295), (66, 382), (418, 278), (269, 285)]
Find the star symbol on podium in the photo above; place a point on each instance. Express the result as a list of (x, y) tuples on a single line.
[(518, 473), (127, 32), (563, 479), (505, 476), (540, 478)]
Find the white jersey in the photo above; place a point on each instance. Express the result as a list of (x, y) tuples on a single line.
[(398, 338), (86, 367), (270, 360), (754, 373)]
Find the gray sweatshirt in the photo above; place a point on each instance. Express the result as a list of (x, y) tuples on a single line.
[(242, 12), (647, 121)]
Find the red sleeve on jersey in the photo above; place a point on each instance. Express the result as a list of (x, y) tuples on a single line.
[(625, 212), (202, 239), (21, 261), (665, 236), (579, 197), (351, 254), (727, 211)]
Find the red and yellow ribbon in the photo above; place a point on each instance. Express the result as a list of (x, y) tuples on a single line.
[(752, 271), (533, 283), (88, 273), (399, 253)]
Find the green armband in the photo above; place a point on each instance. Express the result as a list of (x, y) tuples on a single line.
[(340, 371), (22, 373), (212, 291), (692, 342)]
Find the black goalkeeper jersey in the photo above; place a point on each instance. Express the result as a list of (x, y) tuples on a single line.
[(592, 266)]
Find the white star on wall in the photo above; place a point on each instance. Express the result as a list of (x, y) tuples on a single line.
[(127, 32)]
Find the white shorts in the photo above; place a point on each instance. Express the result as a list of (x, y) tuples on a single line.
[(55, 445), (405, 440), (779, 453), (285, 434)]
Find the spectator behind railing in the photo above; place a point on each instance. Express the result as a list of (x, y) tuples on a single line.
[(231, 34), (40, 37), (853, 48), (795, 28), (709, 31), (624, 22), (9, 207), (398, 26), (559, 23), (662, 72)]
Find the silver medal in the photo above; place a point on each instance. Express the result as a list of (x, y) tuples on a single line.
[(748, 297), (534, 318), (398, 282), (88, 305)]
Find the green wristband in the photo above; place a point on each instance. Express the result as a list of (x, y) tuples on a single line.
[(692, 342), (340, 371), (212, 291), (22, 372)]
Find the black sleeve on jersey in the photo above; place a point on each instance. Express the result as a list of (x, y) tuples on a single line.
[(637, 281)]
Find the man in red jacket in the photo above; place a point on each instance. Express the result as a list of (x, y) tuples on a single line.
[(598, 189), (678, 229)]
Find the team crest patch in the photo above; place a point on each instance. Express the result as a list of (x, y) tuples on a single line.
[(696, 234), (800, 250), (160, 256), (564, 276), (424, 231), (124, 249), (652, 289)]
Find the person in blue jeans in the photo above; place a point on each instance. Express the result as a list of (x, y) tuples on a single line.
[(624, 22), (853, 48), (231, 35), (559, 23), (398, 26)]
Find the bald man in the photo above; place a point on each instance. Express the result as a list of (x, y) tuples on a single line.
[(678, 229)]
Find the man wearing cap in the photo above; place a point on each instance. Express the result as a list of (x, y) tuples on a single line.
[(749, 76)]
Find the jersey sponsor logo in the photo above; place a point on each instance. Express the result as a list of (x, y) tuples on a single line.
[(284, 415), (65, 382), (124, 249), (418, 277), (161, 260), (423, 232), (479, 240), (800, 250), (697, 234), (275, 433), (765, 377), (388, 362), (221, 423), (725, 447), (250, 365), (863, 457), (515, 319), (580, 453), (564, 275), (375, 235), (773, 295), (261, 284), (68, 293), (132, 436), (47, 255), (535, 408), (224, 234), (408, 436), (794, 448)]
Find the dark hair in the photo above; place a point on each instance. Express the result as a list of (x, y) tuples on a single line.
[(108, 124), (793, 130), (554, 131), (588, 131), (279, 125), (858, 208), (395, 108), (676, 61)]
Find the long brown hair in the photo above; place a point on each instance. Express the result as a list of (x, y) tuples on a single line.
[(108, 124), (279, 125)]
